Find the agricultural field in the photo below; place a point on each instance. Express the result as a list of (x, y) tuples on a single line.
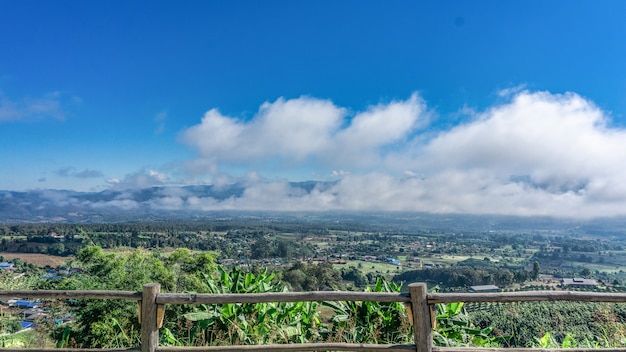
[(376, 268), (40, 260), (371, 252)]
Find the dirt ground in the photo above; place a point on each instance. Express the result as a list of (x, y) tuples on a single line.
[(35, 258)]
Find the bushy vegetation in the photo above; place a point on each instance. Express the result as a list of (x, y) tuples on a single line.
[(232, 324), (371, 322), (574, 323), (453, 327), (463, 276), (113, 323)]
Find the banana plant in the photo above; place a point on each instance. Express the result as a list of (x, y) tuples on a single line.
[(370, 322), (259, 323), (453, 328), (570, 341)]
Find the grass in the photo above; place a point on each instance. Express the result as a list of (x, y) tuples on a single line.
[(38, 259), (26, 339), (374, 267)]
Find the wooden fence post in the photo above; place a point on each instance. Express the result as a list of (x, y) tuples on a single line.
[(421, 317), (149, 321)]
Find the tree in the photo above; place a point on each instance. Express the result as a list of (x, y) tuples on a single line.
[(113, 323), (355, 275), (302, 277), (535, 272), (585, 272), (261, 249)]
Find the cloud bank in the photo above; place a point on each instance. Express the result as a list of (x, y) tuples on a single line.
[(302, 131), (536, 153)]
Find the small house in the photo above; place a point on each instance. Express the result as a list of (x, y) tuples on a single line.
[(26, 304), (579, 282), (484, 288), (7, 266)]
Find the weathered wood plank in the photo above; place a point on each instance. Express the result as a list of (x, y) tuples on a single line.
[(477, 349), (314, 296), (65, 294), (129, 349), (149, 319), (423, 332), (525, 296), (292, 347), (421, 301)]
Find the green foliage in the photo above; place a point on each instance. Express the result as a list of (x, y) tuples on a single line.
[(23, 339), (251, 323), (9, 325), (114, 323), (355, 275), (64, 339), (454, 328), (303, 277), (11, 281), (371, 322), (601, 324), (462, 275), (502, 259), (535, 272), (570, 341)]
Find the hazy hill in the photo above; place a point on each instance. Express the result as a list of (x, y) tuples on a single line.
[(195, 203)]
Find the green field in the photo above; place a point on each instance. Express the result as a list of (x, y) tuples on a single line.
[(26, 339), (373, 267)]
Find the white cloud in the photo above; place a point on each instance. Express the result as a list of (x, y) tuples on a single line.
[(560, 141), (140, 179), (293, 129), (304, 130), (535, 154), (339, 173), (124, 204), (509, 92), (379, 134), (159, 177)]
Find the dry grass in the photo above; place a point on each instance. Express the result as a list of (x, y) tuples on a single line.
[(37, 259)]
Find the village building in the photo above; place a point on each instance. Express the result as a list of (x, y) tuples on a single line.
[(7, 266), (579, 282), (484, 288)]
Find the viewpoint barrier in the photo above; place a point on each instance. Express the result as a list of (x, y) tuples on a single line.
[(152, 306)]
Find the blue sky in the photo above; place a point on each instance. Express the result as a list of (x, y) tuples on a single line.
[(447, 106)]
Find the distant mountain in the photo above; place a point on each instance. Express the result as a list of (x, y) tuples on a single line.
[(265, 202), (123, 205)]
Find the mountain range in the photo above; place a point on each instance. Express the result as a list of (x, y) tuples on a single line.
[(153, 203), (206, 203)]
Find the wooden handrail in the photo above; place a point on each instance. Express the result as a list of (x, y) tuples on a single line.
[(65, 294), (313, 296), (526, 296), (320, 346), (152, 302)]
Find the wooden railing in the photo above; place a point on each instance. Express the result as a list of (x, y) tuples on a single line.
[(152, 304)]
